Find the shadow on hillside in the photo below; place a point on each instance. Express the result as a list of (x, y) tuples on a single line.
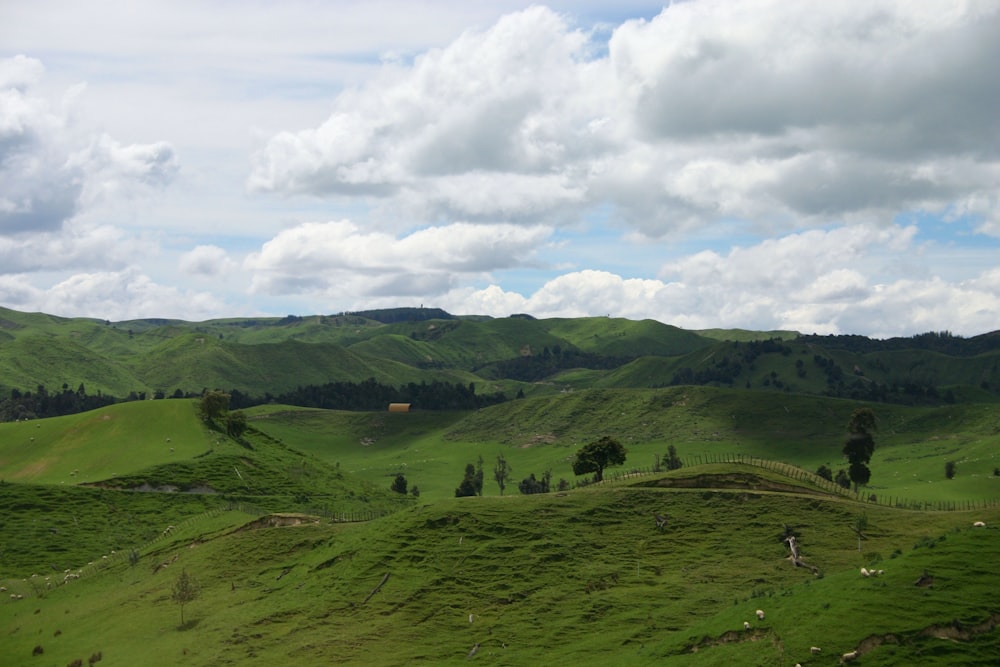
[(189, 625)]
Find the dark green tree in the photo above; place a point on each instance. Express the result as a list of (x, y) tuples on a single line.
[(185, 590), (236, 424), (598, 455), (670, 460), (502, 472), (860, 445), (480, 476), (214, 404), (399, 484), (468, 485), (531, 485), (842, 479), (949, 469), (824, 472)]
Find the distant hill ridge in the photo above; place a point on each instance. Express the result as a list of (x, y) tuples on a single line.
[(515, 356)]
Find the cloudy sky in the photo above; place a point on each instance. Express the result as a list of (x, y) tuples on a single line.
[(824, 167)]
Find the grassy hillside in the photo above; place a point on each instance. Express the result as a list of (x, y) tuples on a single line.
[(259, 356), (579, 578), (538, 434), (617, 337)]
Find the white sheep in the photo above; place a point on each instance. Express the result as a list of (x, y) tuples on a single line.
[(746, 625), (865, 572), (760, 615), (848, 657), (980, 524), (815, 650), (881, 572)]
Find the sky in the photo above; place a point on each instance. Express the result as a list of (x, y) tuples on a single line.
[(828, 168)]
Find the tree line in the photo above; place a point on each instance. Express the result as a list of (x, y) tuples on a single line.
[(367, 395), (373, 395), (41, 403)]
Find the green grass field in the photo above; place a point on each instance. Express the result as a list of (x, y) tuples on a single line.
[(578, 577), (431, 449)]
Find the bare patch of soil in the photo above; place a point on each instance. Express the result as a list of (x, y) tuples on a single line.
[(280, 521)]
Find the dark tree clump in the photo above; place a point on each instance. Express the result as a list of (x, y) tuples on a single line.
[(842, 479), (949, 469), (468, 485), (670, 460), (531, 485), (399, 484), (860, 445), (825, 473), (597, 456)]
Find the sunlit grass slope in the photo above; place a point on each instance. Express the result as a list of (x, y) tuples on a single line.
[(536, 434), (101, 444), (578, 578)]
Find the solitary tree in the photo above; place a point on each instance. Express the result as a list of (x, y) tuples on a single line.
[(597, 456), (860, 445), (214, 404), (859, 527), (949, 469), (236, 423), (825, 473), (399, 484), (502, 472), (185, 590), (468, 485), (670, 460), (480, 476)]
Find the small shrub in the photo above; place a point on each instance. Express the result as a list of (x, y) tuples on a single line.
[(949, 469), (57, 633), (95, 658), (76, 663), (38, 650)]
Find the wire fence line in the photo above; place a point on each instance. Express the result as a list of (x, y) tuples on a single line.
[(795, 472)]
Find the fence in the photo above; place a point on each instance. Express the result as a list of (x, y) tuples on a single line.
[(829, 486)]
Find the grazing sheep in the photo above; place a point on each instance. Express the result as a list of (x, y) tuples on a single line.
[(865, 572), (881, 572), (815, 650), (746, 625), (760, 615), (848, 657), (980, 524)]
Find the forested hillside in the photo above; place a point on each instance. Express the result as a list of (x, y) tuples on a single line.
[(435, 360)]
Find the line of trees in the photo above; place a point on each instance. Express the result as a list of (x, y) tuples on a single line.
[(373, 395), (41, 403)]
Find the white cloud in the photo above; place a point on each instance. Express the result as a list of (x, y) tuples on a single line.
[(207, 261), (805, 282), (112, 295), (340, 257), (711, 110), (51, 170), (77, 246), (860, 136)]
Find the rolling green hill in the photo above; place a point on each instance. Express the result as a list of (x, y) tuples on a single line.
[(304, 556), (583, 577), (518, 354)]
